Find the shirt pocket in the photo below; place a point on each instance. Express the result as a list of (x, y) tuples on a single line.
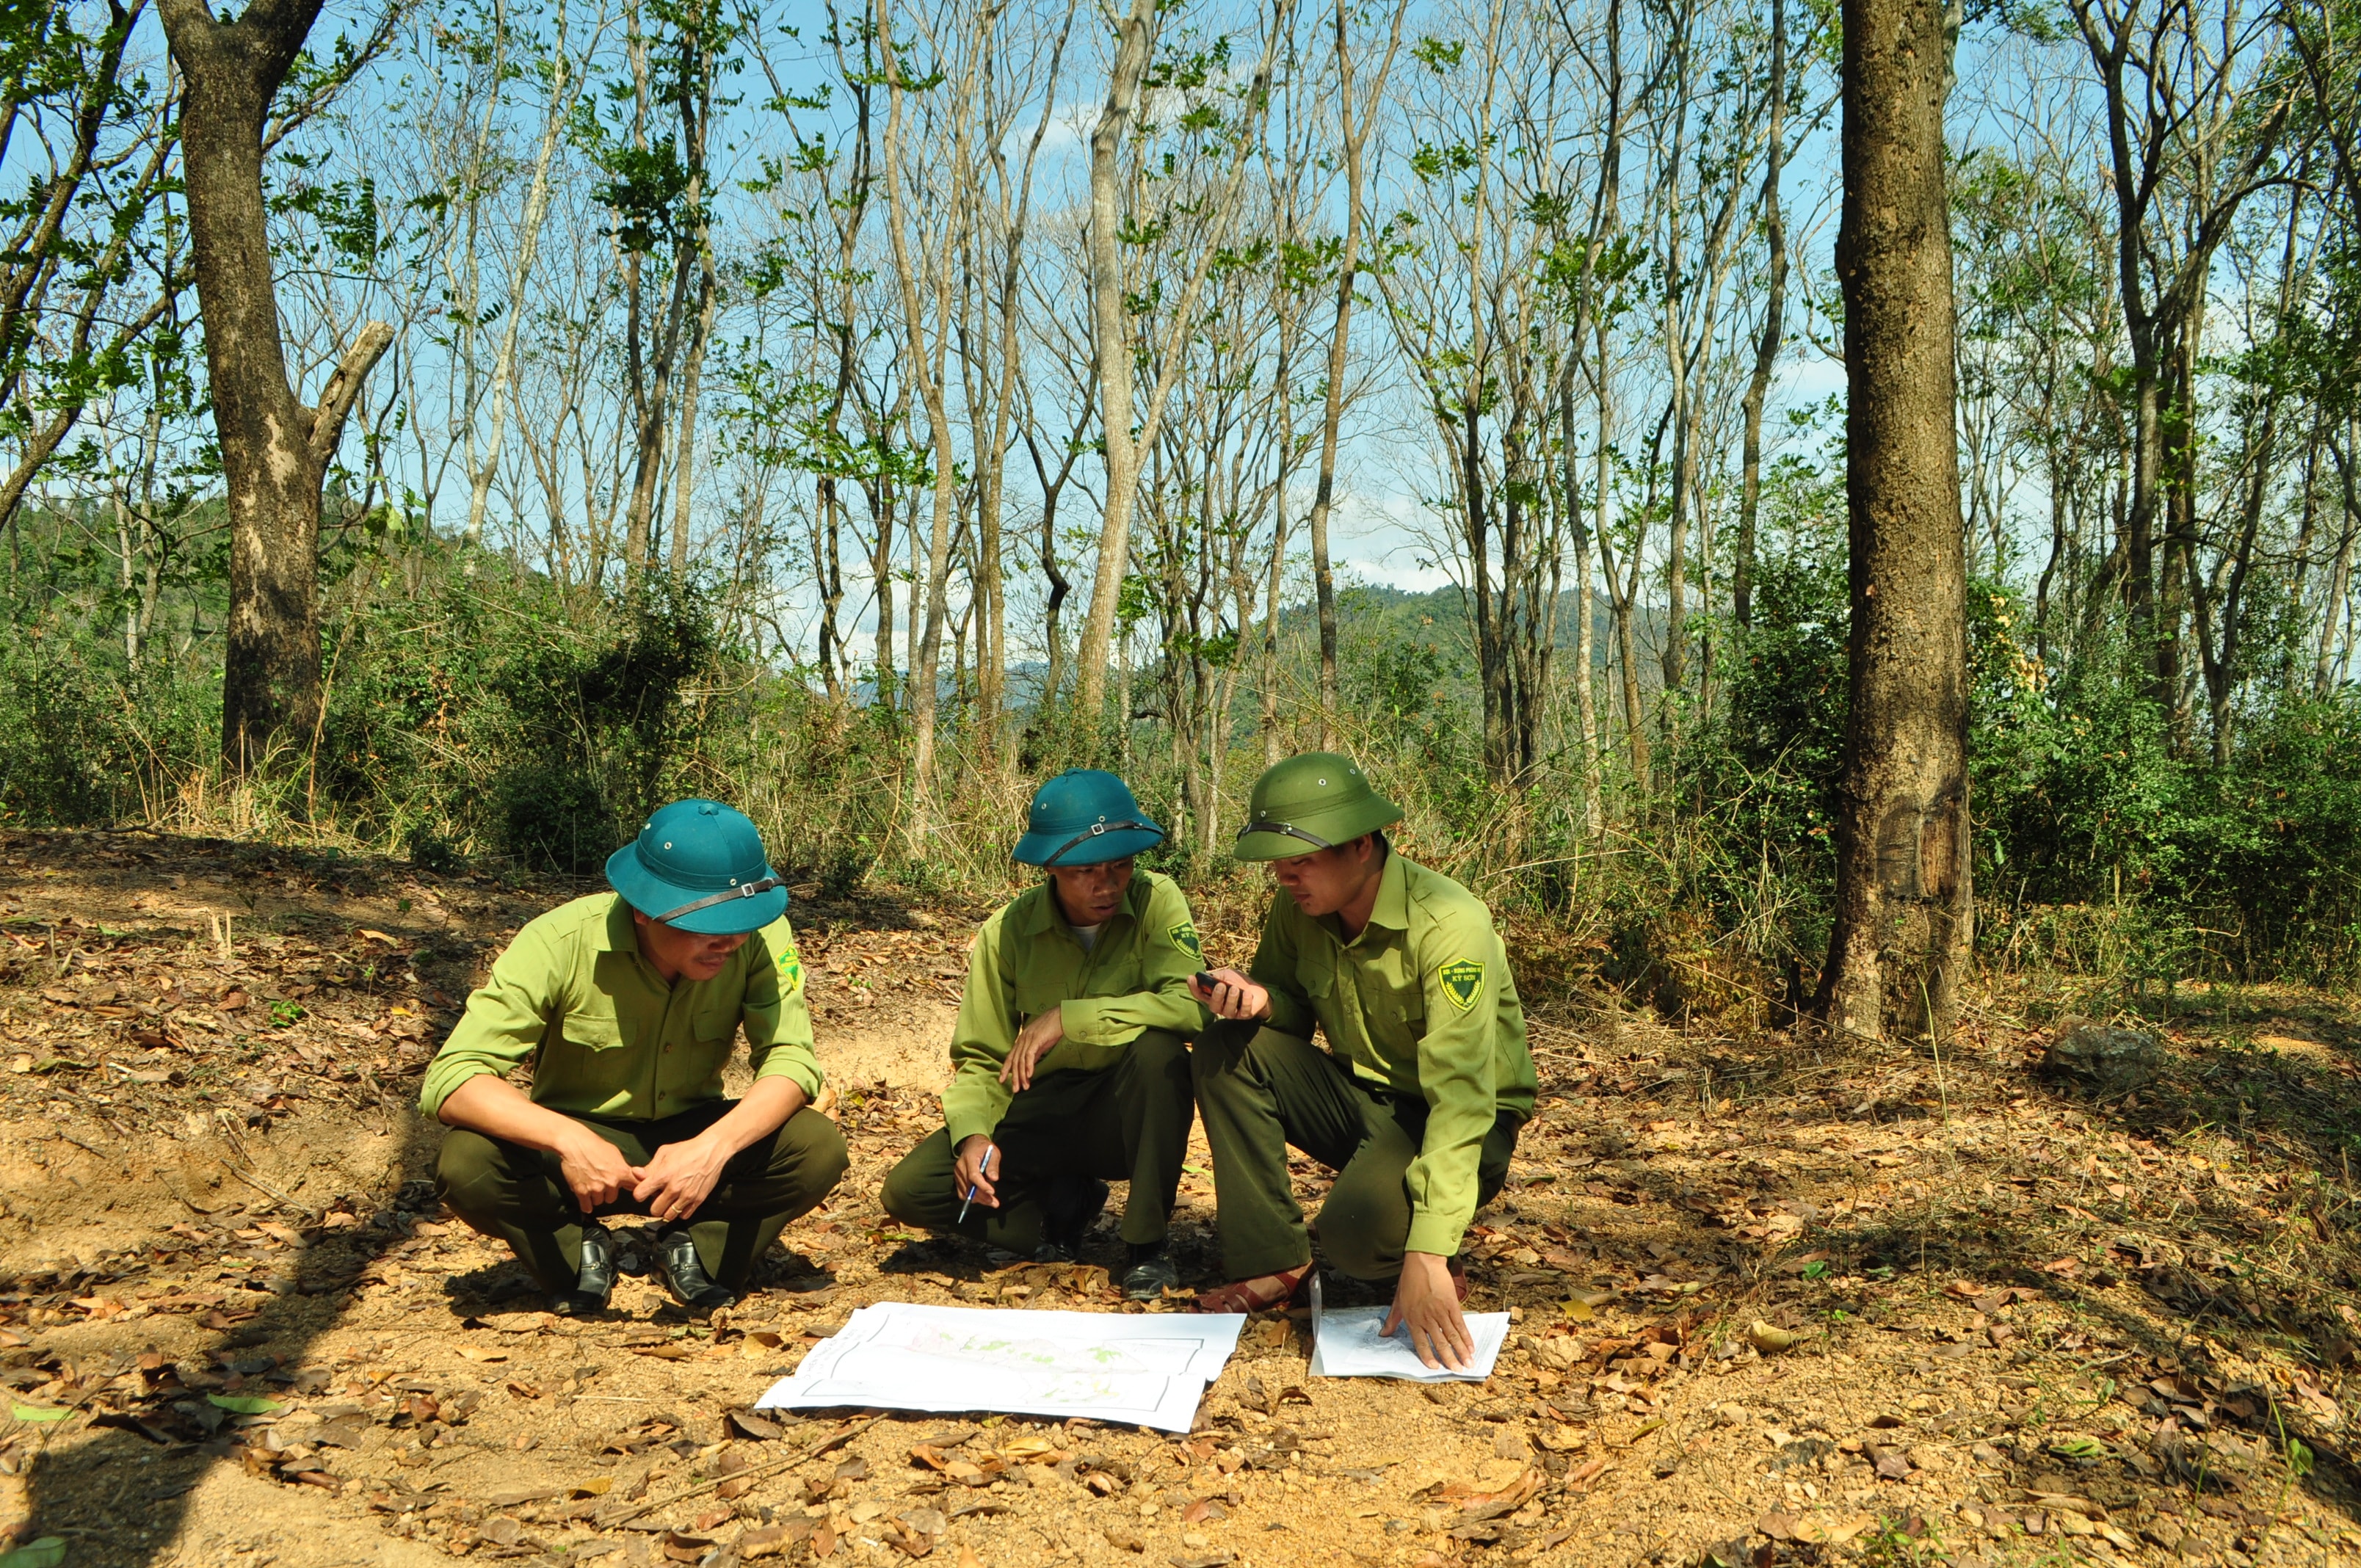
[(1118, 974), (1048, 977), (1035, 995), (714, 1028), (1406, 1005), (597, 1065), (1316, 974), (592, 1032)]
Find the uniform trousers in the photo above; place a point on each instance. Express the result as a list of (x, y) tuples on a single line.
[(1260, 1090), (1127, 1121), (520, 1194)]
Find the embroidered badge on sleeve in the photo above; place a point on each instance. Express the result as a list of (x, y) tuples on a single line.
[(1463, 982), (1184, 936)]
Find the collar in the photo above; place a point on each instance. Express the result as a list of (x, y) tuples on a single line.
[(615, 933), (1039, 917), (1392, 909)]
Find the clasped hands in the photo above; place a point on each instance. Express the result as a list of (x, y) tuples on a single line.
[(673, 1184)]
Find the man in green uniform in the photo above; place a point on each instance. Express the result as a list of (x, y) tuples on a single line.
[(1069, 1057), (1417, 1100), (628, 1003)]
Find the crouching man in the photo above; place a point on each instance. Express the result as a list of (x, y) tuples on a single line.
[(1416, 1101), (628, 1003), (1069, 1056)]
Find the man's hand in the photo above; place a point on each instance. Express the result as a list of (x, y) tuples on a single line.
[(968, 1169), (596, 1169), (682, 1175), (1232, 995), (1039, 1032), (1426, 1299)]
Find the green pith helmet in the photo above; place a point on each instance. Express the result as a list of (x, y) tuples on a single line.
[(1084, 817), (697, 865), (1312, 802)]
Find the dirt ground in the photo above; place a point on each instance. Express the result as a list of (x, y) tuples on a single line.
[(1774, 1303)]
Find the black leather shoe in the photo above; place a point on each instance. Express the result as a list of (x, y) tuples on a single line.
[(1071, 1206), (596, 1279), (685, 1272), (1150, 1277)]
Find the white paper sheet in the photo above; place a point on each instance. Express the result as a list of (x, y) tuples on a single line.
[(1144, 1370), (1347, 1344)]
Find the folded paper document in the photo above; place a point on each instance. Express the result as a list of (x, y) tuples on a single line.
[(1144, 1370), (1349, 1343)]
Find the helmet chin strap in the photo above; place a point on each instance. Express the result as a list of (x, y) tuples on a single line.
[(744, 889), (1098, 829), (1286, 828)]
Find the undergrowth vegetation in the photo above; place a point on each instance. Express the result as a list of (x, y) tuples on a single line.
[(478, 711)]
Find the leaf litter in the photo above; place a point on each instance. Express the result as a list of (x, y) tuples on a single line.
[(1842, 1309)]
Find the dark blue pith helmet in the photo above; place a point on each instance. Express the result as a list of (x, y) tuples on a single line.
[(699, 866), (1082, 817)]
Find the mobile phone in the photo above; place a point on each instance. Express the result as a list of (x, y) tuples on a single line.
[(1205, 978)]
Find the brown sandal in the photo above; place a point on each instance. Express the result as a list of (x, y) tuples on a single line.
[(1260, 1294)]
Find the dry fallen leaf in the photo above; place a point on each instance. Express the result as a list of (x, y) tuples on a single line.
[(1819, 1531), (475, 1353), (967, 1557), (1771, 1340), (1026, 1447), (762, 1429)]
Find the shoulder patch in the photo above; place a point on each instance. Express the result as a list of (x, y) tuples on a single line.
[(790, 965), (1463, 982), (1184, 936)]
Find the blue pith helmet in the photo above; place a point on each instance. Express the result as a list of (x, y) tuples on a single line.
[(699, 866), (1081, 817)]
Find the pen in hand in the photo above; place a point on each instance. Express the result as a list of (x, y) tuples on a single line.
[(983, 1170)]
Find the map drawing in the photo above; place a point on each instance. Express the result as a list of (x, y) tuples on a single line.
[(1139, 1370)]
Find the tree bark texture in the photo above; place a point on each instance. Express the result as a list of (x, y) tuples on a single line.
[(1903, 914), (1134, 44), (1774, 325), (275, 451)]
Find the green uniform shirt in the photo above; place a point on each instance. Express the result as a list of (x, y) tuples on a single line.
[(1026, 960), (615, 1041), (1420, 1004)]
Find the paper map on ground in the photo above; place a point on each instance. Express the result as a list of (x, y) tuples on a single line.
[(1145, 1370), (1349, 1343)]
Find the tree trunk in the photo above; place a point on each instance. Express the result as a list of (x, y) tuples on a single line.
[(274, 450), (1775, 323), (2325, 666), (1112, 339), (1111, 334), (1586, 650), (1354, 131), (692, 373), (1619, 597), (563, 88), (924, 365), (1903, 914)]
